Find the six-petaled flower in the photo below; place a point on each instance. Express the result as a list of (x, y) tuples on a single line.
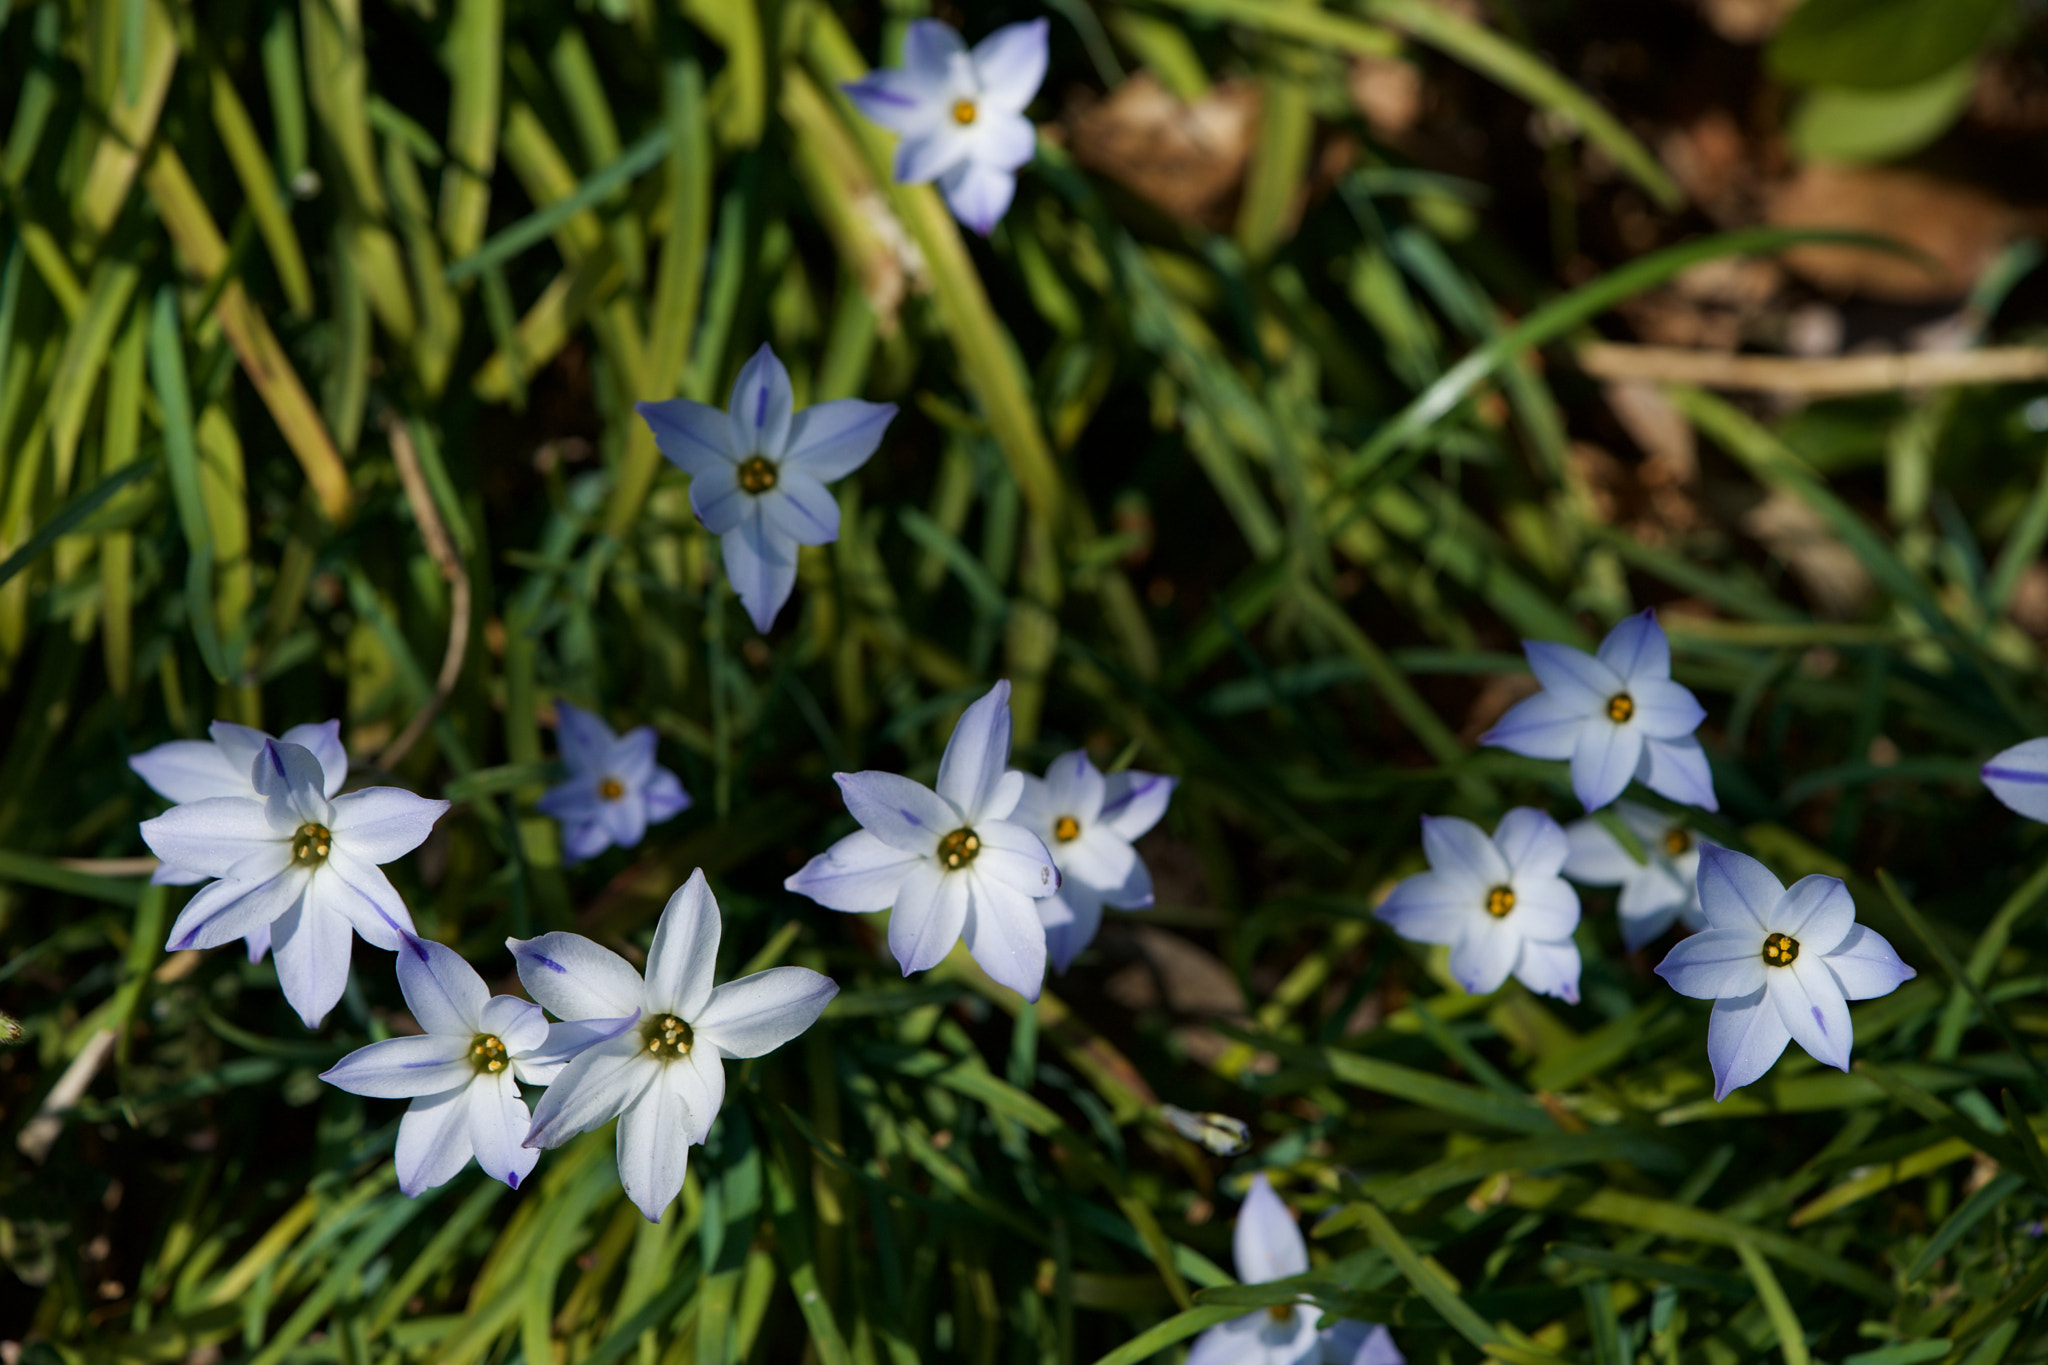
[(615, 789), (1656, 893), (1088, 822)]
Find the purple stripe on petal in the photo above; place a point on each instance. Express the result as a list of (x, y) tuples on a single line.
[(1137, 789), (761, 409), (415, 1066), (911, 818), (2010, 774), (1819, 1022), (881, 94), (419, 949), (276, 759), (512, 1179), (548, 963)]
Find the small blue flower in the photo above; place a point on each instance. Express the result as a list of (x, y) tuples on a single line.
[(1269, 1246), (615, 788), (1088, 822), (1616, 716), (961, 113), (758, 473), (1655, 893), (1498, 904), (1779, 965)]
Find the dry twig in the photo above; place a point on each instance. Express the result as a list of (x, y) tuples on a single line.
[(1813, 377), (435, 533)]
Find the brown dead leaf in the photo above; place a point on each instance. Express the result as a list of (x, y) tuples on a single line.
[(1188, 158), (1388, 92), (2030, 600), (1746, 21), (1826, 568), (1711, 161), (1960, 227)]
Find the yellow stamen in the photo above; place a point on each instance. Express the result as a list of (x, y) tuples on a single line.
[(611, 789), (1499, 901), (1066, 829), (1677, 842), (1780, 950), (964, 112), (957, 849), (312, 844), (757, 474), (1620, 707)]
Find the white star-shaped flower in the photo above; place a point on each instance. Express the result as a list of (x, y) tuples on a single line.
[(615, 789), (758, 473), (1088, 822), (1616, 716), (1655, 894), (306, 867), (655, 1059), (1779, 965), (462, 1073), (961, 113), (951, 863), (195, 769), (1498, 903), (1268, 1246)]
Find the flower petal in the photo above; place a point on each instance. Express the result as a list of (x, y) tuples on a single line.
[(1737, 891), (1071, 920), (583, 737), (624, 820), (1596, 857), (665, 796), (1866, 965), (631, 759), (498, 1120), (1550, 967), (762, 569), (363, 896), (1136, 892), (1012, 856), (1809, 999), (1573, 676), (1817, 911), (930, 47), (1002, 142), (404, 1068), (859, 873), (1352, 1342), (518, 1024), (1133, 802), (763, 403), (1603, 761), (1010, 63), (1266, 1243), (592, 1090), (801, 509), (977, 753), (699, 1078), (442, 990), (293, 786), (1677, 768), (1431, 907), (323, 741), (684, 954), (1716, 964), (978, 194), (1458, 849), (904, 102), (1002, 932), (830, 440), (1543, 726), (220, 836), (692, 435), (1545, 907), (433, 1141), (1075, 786), (573, 978), (1637, 650), (654, 1146), (190, 770), (562, 1043), (759, 1013), (719, 501), (1664, 709), (1650, 902), (378, 824), (1096, 858), (907, 816), (2018, 777), (1485, 954), (311, 945), (1232, 1343), (1745, 1036), (228, 910), (1532, 843), (931, 909)]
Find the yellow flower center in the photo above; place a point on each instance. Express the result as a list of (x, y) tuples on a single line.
[(1499, 901), (611, 789), (312, 844), (757, 474), (957, 849), (964, 112), (1281, 1312), (1066, 829), (1677, 842), (1620, 707), (668, 1037), (487, 1053), (1780, 950)]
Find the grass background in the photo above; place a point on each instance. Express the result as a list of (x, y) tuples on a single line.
[(319, 330)]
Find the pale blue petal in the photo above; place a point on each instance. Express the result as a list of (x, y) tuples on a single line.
[(800, 509), (292, 784), (1071, 920), (593, 1089), (378, 824), (978, 194), (763, 403), (1545, 907), (654, 1146), (584, 739), (1809, 1000), (1817, 911), (1003, 142), (665, 796), (924, 156), (323, 741), (404, 1068), (762, 571), (572, 978), (1866, 966), (518, 1024), (1603, 761), (442, 990), (1012, 856), (1637, 650), (1431, 907), (1737, 891), (1716, 964), (1002, 932), (1232, 1343), (1664, 709), (859, 873), (498, 1122), (2019, 777), (228, 910), (1597, 857), (364, 897), (1133, 802), (904, 102), (1550, 967), (930, 911), (1266, 1243), (1009, 64), (757, 1014), (905, 815), (222, 836), (1485, 954), (1457, 849), (624, 820), (1745, 1037), (1543, 726), (1136, 892), (312, 947), (1532, 843), (684, 954), (1352, 1342), (719, 501), (1677, 769), (433, 1141), (190, 770), (692, 435), (1572, 675), (562, 1043), (830, 440), (631, 759), (930, 49), (977, 754)]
